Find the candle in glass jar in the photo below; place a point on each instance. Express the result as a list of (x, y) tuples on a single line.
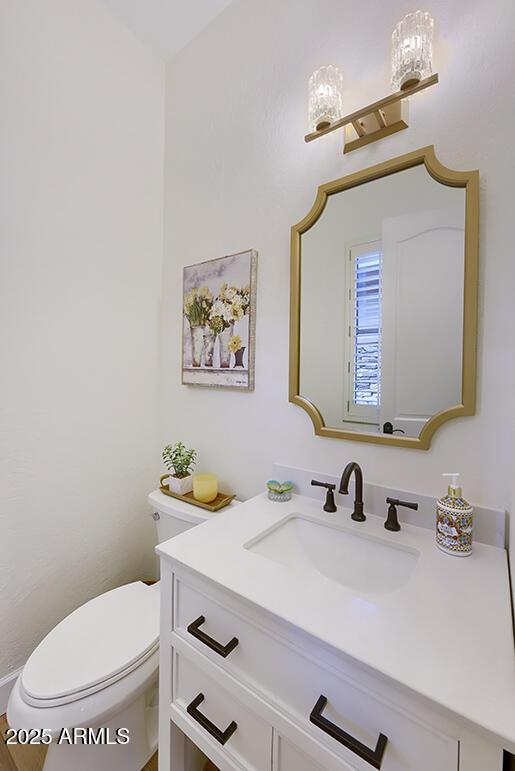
[(205, 487)]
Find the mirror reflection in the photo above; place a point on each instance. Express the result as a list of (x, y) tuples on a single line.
[(381, 304)]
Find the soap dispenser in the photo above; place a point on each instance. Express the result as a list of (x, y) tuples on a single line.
[(454, 521)]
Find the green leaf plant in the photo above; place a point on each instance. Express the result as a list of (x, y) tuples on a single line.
[(179, 459)]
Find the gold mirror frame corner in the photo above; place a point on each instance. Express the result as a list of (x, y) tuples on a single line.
[(469, 180)]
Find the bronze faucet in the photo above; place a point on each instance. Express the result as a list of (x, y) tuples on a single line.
[(350, 468)]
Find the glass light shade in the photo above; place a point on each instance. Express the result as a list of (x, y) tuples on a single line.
[(205, 487), (325, 97), (412, 50)]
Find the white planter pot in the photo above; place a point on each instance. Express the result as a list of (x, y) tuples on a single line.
[(180, 486)]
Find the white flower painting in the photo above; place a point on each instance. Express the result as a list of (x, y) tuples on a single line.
[(218, 334)]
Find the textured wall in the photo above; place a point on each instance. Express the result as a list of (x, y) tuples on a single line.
[(81, 142), (238, 174)]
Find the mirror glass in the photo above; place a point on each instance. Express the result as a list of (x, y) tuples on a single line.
[(381, 304)]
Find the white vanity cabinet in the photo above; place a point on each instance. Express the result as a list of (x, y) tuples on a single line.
[(255, 693), (281, 650)]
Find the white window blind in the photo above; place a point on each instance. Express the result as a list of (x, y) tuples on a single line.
[(367, 329)]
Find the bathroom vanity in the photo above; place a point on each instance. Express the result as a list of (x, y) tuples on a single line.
[(298, 640)]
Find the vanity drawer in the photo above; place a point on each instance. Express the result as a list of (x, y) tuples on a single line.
[(219, 720), (361, 728)]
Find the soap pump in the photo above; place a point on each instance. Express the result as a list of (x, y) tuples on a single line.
[(454, 521)]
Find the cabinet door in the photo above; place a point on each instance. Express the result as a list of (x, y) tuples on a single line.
[(287, 757)]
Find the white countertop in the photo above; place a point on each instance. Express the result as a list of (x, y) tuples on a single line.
[(447, 633)]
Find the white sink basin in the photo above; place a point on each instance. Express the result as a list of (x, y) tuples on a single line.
[(358, 561)]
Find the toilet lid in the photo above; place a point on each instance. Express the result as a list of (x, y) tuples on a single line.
[(98, 642)]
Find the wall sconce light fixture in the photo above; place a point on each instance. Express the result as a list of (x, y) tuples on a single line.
[(325, 97), (412, 50)]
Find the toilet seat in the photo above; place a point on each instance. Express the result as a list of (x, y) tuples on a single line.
[(96, 645), (95, 709)]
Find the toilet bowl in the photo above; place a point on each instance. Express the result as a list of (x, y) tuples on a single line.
[(96, 672)]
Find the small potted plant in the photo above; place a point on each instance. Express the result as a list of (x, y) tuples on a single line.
[(279, 491), (179, 461)]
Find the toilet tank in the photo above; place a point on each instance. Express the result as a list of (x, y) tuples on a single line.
[(173, 516)]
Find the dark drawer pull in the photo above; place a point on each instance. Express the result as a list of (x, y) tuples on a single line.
[(220, 736), (222, 650), (374, 757)]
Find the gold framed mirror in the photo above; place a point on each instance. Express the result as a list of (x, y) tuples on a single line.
[(383, 303)]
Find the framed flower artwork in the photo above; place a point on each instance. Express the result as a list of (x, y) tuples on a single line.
[(219, 321)]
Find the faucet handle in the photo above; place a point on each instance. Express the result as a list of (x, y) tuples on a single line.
[(392, 522), (330, 505)]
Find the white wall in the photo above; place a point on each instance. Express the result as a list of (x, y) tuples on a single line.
[(238, 174), (81, 142)]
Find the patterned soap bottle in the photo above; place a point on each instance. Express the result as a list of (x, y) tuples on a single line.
[(454, 521)]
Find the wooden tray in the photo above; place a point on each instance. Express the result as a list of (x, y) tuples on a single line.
[(221, 500)]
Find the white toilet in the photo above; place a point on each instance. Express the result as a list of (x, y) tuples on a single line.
[(98, 669)]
